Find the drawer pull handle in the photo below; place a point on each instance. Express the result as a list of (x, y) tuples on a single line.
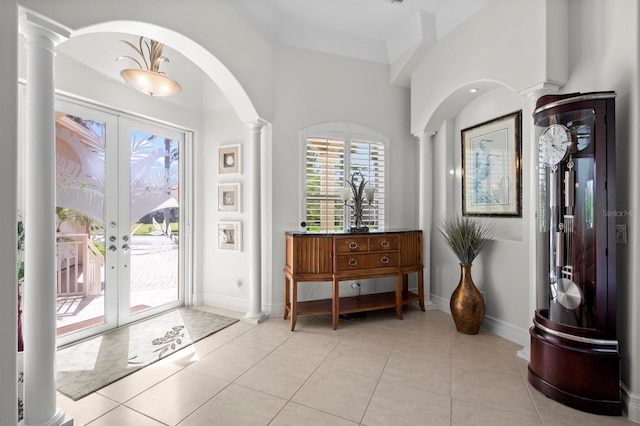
[(384, 244), (353, 262), (353, 245), (384, 259)]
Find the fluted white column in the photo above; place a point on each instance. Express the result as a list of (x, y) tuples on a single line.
[(40, 227), (425, 205), (255, 314)]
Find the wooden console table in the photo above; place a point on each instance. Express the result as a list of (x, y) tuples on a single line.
[(342, 256)]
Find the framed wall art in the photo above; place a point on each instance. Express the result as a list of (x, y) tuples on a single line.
[(229, 236), (229, 197), (229, 160), (491, 167)]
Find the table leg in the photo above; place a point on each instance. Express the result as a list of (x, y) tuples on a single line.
[(335, 303), (399, 286), (287, 307), (421, 288), (294, 303)]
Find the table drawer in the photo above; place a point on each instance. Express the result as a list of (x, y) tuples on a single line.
[(357, 261), (383, 243), (352, 244)]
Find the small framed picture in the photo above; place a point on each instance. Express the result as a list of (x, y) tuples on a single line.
[(229, 197), (229, 159), (229, 236)]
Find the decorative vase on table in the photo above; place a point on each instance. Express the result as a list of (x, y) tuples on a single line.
[(466, 304), (357, 194), (467, 237)]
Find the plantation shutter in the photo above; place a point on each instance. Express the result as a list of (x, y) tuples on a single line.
[(367, 157), (325, 159)]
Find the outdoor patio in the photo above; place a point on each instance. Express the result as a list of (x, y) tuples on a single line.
[(154, 281)]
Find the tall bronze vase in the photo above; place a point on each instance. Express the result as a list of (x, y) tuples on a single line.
[(467, 304)]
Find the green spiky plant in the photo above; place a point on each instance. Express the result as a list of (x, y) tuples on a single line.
[(466, 236)]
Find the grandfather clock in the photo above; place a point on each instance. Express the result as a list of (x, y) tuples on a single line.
[(574, 348)]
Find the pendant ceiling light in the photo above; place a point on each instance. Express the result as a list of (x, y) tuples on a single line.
[(149, 79)]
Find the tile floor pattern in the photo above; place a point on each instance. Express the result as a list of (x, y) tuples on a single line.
[(375, 370)]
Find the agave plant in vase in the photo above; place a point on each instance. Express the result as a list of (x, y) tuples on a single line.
[(467, 237)]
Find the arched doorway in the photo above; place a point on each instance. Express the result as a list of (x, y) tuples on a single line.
[(229, 87)]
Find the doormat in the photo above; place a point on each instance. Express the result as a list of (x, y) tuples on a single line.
[(87, 366)]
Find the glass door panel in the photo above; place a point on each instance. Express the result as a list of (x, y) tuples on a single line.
[(153, 217), (82, 135)]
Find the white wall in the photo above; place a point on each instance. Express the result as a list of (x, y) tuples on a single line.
[(604, 46), (312, 88), (506, 50), (309, 88), (509, 42), (601, 53), (501, 272), (221, 269)]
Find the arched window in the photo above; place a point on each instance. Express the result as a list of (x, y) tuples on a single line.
[(333, 152)]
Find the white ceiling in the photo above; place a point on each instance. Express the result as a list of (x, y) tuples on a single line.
[(375, 30), (381, 31)]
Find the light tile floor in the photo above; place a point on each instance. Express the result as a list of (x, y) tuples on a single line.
[(375, 370)]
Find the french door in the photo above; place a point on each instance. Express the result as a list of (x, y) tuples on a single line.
[(119, 199)]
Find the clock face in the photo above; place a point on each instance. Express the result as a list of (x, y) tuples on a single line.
[(555, 142)]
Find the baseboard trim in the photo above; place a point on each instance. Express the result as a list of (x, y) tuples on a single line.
[(630, 403), (236, 304), (497, 327), (224, 302)]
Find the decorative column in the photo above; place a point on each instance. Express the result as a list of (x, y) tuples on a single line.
[(8, 208), (40, 228), (255, 314), (425, 206), (531, 97)]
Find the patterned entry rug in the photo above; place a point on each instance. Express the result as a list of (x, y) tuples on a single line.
[(89, 365)]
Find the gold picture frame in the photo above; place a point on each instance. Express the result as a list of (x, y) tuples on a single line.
[(491, 167), (229, 197), (230, 236), (229, 159)]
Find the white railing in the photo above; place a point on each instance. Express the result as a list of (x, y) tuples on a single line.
[(75, 252)]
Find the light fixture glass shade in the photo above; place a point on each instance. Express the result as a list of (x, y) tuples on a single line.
[(369, 193), (345, 193), (150, 82)]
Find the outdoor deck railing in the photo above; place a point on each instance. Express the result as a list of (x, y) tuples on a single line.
[(79, 266)]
